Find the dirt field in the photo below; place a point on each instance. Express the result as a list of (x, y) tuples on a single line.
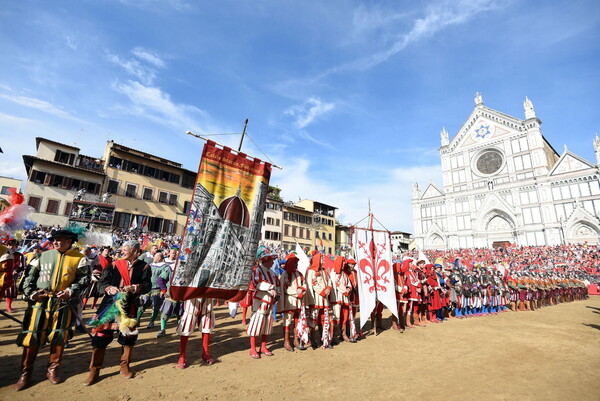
[(550, 354)]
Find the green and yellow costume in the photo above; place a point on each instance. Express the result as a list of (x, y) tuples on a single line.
[(49, 319)]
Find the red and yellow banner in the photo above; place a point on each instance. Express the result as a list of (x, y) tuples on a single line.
[(223, 226)]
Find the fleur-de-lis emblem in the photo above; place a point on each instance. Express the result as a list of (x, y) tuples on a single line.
[(374, 266)]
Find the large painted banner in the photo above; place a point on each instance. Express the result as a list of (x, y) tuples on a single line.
[(223, 226), (372, 250)]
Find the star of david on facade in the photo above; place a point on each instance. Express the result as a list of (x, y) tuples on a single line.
[(482, 131)]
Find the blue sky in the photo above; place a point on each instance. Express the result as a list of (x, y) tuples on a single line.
[(348, 97)]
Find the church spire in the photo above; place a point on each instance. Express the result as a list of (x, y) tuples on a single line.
[(528, 107), (597, 148), (444, 137), (415, 190)]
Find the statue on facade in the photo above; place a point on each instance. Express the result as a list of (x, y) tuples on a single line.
[(444, 137), (528, 107), (597, 148)]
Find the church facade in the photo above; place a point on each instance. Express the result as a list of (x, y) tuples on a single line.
[(503, 182)]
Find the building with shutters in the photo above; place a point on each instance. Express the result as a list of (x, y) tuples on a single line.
[(55, 175), (144, 186), (125, 188), (271, 230)]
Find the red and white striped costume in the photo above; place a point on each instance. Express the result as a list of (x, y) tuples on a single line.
[(317, 282), (341, 287), (290, 283), (341, 291), (261, 322), (197, 313)]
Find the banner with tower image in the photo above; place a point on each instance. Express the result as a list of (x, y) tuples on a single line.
[(223, 226)]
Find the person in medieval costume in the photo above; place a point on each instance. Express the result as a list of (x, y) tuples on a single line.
[(169, 308), (471, 292), (484, 287), (95, 267), (400, 289), (348, 324), (123, 282), (423, 291), (104, 257), (523, 285), (456, 290), (318, 289), (52, 288), (291, 303), (412, 294), (513, 290), (434, 304), (148, 256), (342, 287), (154, 298), (197, 313), (266, 293), (12, 263)]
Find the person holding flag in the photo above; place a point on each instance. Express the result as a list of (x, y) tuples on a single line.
[(197, 313)]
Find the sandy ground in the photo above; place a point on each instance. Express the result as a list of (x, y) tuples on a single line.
[(549, 354)]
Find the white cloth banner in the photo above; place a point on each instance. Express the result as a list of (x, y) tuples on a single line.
[(303, 261), (375, 275)]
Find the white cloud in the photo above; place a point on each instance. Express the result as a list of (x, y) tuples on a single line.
[(390, 194), (437, 17), (38, 104), (148, 56), (71, 43), (305, 113), (142, 72), (12, 168), (155, 105), (304, 134)]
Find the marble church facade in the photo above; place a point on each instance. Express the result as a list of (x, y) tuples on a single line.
[(503, 182)]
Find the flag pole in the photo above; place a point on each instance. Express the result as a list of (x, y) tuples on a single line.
[(243, 134), (240, 145)]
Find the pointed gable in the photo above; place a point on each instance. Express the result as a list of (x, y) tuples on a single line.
[(568, 163), (431, 192), (492, 206), (485, 124)]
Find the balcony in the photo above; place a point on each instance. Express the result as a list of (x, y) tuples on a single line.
[(85, 211), (90, 163)]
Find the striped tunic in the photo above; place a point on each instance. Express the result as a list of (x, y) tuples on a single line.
[(197, 313), (261, 322), (341, 282), (316, 284), (290, 283)]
